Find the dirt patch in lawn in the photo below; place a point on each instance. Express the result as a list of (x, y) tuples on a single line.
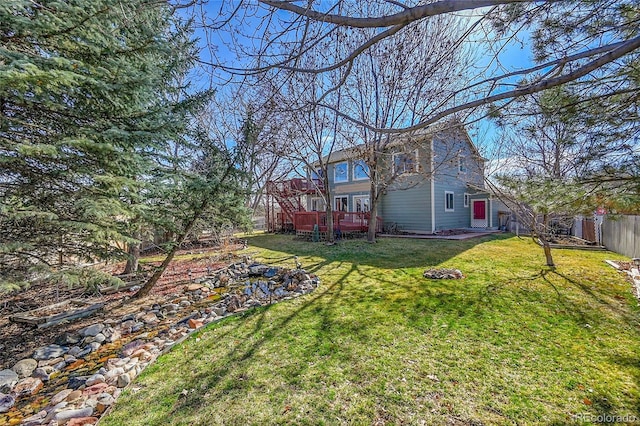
[(18, 340)]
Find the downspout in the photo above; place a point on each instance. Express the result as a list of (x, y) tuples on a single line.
[(433, 189), (490, 211)]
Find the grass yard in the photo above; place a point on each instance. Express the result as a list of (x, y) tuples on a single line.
[(512, 343)]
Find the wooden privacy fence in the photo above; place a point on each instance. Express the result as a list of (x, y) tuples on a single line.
[(622, 234)]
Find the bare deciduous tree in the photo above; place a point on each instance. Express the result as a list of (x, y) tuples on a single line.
[(587, 41)]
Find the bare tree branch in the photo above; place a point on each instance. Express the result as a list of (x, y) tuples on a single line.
[(407, 16), (623, 49)]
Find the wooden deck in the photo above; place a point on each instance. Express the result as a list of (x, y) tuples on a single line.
[(343, 222)]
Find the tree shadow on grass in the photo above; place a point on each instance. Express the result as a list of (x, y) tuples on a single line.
[(231, 372), (583, 314), (234, 365), (383, 254)]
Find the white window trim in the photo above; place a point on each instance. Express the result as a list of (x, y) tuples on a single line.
[(346, 175), (365, 197), (320, 203), (453, 198), (340, 196), (467, 199), (353, 172), (415, 159)]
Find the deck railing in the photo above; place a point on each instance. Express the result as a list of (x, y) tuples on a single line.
[(343, 221)]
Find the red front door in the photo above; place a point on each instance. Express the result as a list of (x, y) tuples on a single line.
[(479, 210)]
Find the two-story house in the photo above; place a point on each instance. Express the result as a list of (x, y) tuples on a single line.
[(428, 183)]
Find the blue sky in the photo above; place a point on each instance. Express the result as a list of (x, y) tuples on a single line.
[(483, 132)]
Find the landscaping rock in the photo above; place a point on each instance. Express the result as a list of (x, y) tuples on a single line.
[(6, 402), (106, 399), (66, 415), (94, 382), (36, 419), (82, 421), (95, 389), (92, 330), (73, 396), (60, 396), (77, 382), (28, 386), (131, 347), (142, 355), (25, 367), (8, 379), (96, 378), (111, 334), (43, 373), (149, 318), (74, 351), (439, 274), (49, 352), (193, 323), (68, 339), (85, 351), (123, 380)]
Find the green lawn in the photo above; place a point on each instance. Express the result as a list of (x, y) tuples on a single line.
[(512, 343)]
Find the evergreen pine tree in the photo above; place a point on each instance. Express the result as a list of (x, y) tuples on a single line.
[(85, 89)]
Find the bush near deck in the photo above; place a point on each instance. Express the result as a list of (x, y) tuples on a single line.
[(513, 343)]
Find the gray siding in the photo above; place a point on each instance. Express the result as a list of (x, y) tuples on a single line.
[(407, 201), (409, 208), (460, 217)]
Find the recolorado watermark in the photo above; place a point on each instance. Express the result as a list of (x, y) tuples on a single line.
[(605, 418)]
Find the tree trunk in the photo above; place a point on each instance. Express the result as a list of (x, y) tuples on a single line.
[(542, 236), (547, 251), (134, 256), (146, 288), (373, 212), (328, 209), (133, 259)]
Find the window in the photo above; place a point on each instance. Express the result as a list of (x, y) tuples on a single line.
[(317, 204), (361, 203), (341, 204), (466, 199), (448, 201), (360, 170), (462, 166), (341, 172), (317, 174), (405, 162)]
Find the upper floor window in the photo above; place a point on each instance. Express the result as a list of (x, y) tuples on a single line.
[(462, 165), (341, 172), (316, 174), (360, 170), (405, 162)]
